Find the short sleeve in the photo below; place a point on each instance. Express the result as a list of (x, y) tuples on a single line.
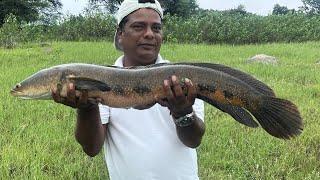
[(198, 108), (104, 113)]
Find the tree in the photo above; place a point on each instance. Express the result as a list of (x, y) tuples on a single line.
[(181, 8), (240, 9), (110, 5), (311, 6), (280, 10), (28, 10), (174, 7)]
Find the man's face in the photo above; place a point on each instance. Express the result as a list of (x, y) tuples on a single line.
[(141, 37)]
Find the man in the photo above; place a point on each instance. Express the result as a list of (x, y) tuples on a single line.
[(158, 140)]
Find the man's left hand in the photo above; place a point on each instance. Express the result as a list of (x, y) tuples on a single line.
[(179, 98)]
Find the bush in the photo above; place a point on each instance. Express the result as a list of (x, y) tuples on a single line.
[(86, 28), (221, 27), (210, 27), (10, 32)]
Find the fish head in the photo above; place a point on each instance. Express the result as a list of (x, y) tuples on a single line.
[(38, 85)]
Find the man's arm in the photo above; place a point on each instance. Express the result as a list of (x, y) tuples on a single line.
[(89, 132), (191, 135), (180, 105)]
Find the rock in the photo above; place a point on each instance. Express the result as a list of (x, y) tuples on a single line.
[(262, 58), (48, 50)]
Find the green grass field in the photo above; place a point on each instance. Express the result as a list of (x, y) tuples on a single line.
[(37, 137)]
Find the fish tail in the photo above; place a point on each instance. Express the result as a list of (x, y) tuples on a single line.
[(279, 117)]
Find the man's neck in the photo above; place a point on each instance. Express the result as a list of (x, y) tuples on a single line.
[(132, 62)]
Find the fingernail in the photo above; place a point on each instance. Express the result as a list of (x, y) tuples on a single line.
[(188, 81), (174, 78)]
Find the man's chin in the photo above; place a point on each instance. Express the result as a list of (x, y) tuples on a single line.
[(148, 58), (148, 52)]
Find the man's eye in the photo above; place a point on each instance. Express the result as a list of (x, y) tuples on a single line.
[(157, 28), (138, 27)]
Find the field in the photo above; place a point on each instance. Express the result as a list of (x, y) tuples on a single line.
[(37, 137)]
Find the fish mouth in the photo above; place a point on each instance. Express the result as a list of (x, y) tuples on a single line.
[(21, 95), (15, 92)]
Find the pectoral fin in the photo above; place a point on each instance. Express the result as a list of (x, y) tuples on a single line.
[(240, 115), (83, 83)]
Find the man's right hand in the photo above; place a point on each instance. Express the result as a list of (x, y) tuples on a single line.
[(73, 99)]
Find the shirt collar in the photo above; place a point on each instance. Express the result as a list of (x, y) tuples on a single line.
[(119, 61)]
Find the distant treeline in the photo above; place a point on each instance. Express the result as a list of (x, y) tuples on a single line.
[(237, 28), (206, 27)]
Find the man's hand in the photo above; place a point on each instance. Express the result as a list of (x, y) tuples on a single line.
[(72, 99), (179, 98)]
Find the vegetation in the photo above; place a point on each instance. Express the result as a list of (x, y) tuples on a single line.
[(311, 6), (181, 8), (212, 27), (91, 26), (34, 21), (10, 32), (37, 140), (235, 28), (281, 10), (30, 10)]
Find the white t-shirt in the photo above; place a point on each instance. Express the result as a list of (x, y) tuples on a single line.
[(143, 144)]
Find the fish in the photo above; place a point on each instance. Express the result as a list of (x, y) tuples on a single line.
[(218, 85)]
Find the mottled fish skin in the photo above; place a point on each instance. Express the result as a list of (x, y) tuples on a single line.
[(238, 113), (122, 87)]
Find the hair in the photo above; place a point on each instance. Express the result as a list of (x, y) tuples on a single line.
[(123, 23)]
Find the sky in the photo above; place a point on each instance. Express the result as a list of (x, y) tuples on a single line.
[(261, 7)]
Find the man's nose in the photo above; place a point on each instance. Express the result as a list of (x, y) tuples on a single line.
[(149, 34)]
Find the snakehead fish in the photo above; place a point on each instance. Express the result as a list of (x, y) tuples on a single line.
[(216, 85)]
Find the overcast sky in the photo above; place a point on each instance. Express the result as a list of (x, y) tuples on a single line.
[(262, 7)]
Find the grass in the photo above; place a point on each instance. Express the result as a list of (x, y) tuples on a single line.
[(37, 140)]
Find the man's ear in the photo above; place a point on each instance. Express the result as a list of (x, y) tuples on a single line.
[(120, 35), (118, 39)]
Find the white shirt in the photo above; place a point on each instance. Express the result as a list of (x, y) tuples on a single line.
[(144, 145)]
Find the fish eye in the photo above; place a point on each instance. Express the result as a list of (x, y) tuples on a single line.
[(18, 85)]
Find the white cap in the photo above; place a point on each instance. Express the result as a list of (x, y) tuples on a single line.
[(129, 6)]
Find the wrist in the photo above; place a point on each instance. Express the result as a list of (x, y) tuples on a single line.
[(185, 120), (185, 112)]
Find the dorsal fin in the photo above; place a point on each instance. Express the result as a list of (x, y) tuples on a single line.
[(250, 80), (247, 78)]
